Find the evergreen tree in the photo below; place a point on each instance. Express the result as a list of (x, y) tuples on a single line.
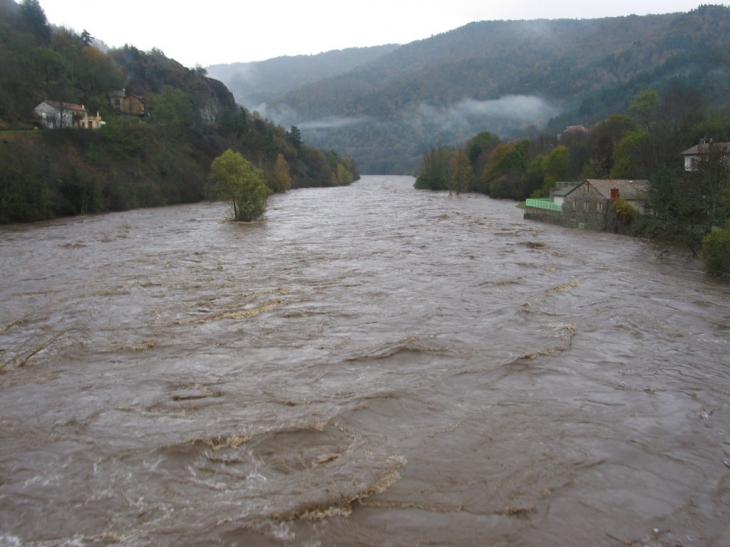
[(86, 38), (295, 137)]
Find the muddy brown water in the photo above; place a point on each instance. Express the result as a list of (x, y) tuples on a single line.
[(370, 365)]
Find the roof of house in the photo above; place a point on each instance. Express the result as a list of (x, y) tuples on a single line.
[(577, 128), (563, 190), (59, 105), (627, 189), (705, 147)]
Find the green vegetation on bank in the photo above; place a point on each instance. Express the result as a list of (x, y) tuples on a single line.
[(690, 208), (160, 158)]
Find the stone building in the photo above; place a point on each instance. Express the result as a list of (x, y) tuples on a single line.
[(115, 98), (587, 204), (129, 103)]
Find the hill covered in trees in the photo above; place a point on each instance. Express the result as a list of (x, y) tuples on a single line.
[(512, 78), (160, 157), (261, 82)]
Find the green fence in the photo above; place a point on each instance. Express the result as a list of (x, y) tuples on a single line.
[(544, 203)]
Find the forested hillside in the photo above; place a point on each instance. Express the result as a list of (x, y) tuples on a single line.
[(510, 77), (261, 82), (159, 156)]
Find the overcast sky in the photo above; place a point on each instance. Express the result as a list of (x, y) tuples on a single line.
[(228, 31)]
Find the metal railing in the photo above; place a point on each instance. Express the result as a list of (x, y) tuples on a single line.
[(544, 203)]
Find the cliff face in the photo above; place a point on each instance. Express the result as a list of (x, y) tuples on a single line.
[(213, 98), (150, 72)]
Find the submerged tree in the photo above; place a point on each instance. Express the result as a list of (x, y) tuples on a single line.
[(463, 175), (716, 252), (436, 170), (238, 181)]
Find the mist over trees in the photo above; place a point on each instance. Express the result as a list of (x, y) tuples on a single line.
[(512, 78), (162, 157)]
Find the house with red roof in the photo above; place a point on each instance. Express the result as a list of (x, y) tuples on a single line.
[(59, 114)]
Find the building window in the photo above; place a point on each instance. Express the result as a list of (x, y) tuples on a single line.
[(586, 206), (599, 206)]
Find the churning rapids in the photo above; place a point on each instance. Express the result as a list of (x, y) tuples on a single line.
[(370, 365)]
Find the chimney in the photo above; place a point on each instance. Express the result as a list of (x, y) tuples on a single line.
[(614, 193)]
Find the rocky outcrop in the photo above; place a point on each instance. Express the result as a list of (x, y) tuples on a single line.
[(213, 98)]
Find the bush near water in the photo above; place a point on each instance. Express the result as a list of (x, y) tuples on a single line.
[(716, 252)]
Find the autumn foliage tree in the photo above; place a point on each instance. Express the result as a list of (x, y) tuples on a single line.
[(462, 176), (280, 178)]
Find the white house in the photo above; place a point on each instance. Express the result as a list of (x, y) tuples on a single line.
[(692, 155), (57, 114)]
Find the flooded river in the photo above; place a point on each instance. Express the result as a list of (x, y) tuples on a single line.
[(370, 365)]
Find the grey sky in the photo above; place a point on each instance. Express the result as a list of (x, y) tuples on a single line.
[(227, 31)]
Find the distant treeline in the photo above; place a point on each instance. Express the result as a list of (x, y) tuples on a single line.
[(160, 158)]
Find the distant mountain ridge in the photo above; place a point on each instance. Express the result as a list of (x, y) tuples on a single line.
[(558, 59), (260, 82), (509, 77)]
